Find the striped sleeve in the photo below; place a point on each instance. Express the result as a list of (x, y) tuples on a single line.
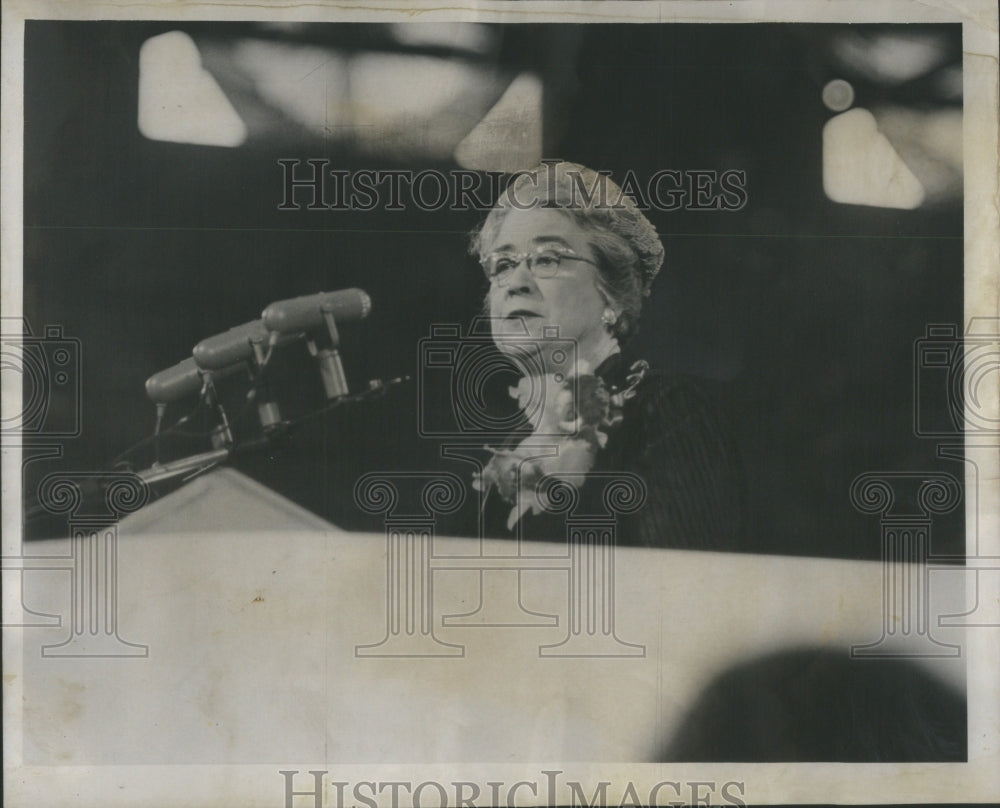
[(690, 466)]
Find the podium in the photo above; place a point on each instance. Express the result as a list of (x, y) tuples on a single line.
[(255, 614)]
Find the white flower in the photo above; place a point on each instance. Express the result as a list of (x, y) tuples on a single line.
[(576, 428)]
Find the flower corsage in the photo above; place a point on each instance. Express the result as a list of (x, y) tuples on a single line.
[(569, 427)]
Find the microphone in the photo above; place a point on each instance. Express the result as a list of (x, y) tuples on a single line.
[(243, 343), (311, 314), (182, 380), (174, 383), (230, 347), (307, 313)]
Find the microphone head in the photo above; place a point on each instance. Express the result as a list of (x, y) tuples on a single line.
[(230, 347), (174, 383), (306, 313)]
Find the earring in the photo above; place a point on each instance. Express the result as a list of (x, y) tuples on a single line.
[(609, 318)]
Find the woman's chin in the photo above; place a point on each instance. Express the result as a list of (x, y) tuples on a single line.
[(517, 335), (520, 346)]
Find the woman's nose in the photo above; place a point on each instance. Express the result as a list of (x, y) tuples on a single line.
[(521, 280)]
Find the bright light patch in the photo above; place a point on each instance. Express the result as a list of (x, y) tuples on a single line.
[(179, 101), (930, 142), (398, 103), (306, 83), (509, 137), (891, 59), (458, 36), (404, 90), (838, 95), (860, 166)]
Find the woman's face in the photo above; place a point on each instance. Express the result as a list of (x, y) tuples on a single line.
[(569, 300)]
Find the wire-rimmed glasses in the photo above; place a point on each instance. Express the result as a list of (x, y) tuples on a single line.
[(542, 262)]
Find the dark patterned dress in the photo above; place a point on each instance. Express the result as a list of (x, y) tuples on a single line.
[(671, 437)]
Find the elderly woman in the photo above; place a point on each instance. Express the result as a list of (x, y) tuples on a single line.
[(569, 259)]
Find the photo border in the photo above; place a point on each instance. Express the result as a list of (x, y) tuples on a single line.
[(978, 780)]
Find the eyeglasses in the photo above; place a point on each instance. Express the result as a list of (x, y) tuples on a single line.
[(542, 262)]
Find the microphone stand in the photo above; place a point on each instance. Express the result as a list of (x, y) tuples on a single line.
[(159, 472), (220, 355), (201, 462), (331, 370)]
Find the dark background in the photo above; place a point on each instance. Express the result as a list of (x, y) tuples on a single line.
[(800, 314)]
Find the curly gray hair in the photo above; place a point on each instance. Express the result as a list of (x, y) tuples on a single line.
[(627, 245)]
